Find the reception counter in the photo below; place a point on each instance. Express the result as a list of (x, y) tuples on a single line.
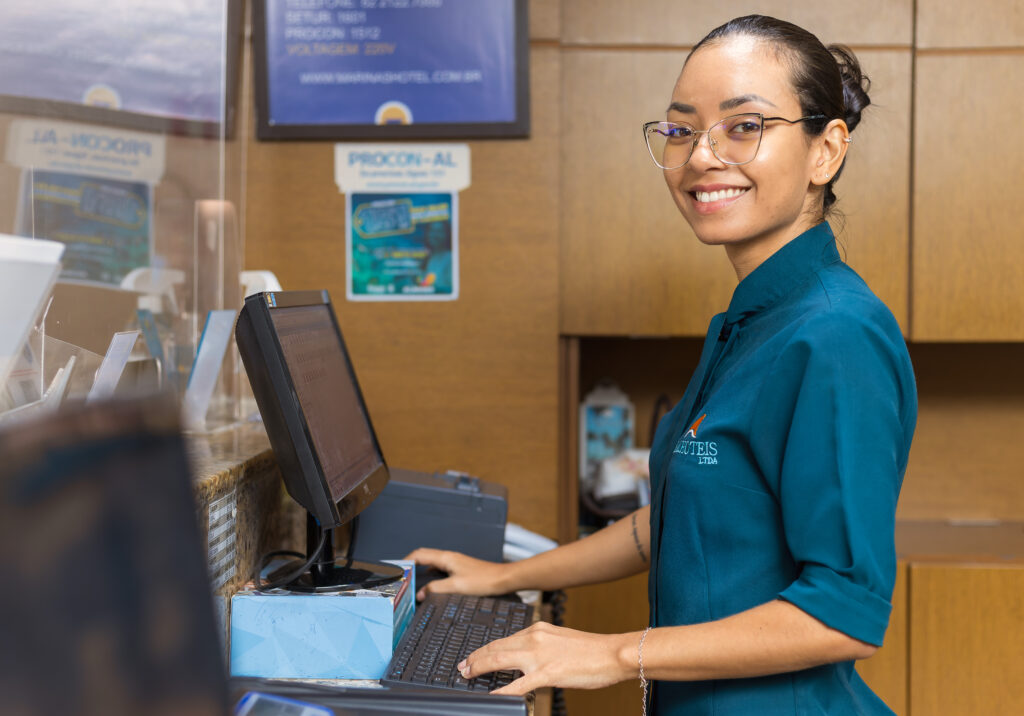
[(244, 512)]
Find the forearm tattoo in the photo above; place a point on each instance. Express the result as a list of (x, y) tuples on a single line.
[(636, 539)]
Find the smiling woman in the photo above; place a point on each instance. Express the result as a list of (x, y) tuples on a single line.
[(777, 178), (769, 537)]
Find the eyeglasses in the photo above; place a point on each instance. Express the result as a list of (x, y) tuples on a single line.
[(734, 140)]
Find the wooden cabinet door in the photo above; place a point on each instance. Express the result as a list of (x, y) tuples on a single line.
[(968, 246), (966, 648)]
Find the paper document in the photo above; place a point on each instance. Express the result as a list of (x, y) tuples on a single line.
[(109, 374), (206, 368)]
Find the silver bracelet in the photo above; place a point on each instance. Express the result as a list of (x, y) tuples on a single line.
[(643, 679)]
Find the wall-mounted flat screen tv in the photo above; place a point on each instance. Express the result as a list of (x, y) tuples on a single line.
[(391, 69)]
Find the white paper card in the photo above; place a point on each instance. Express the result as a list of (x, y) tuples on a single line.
[(401, 167), (112, 366)]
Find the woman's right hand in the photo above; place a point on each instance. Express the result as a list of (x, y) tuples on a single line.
[(466, 575)]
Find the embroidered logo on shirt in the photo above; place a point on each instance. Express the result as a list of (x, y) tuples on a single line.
[(706, 451), (692, 432)]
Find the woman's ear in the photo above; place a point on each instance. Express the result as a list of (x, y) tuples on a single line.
[(830, 151)]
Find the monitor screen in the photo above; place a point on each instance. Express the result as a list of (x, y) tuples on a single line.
[(391, 70), (311, 405), (322, 378)]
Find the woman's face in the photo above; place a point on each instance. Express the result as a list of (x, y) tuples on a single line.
[(763, 204)]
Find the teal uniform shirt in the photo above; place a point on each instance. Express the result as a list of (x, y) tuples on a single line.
[(777, 474)]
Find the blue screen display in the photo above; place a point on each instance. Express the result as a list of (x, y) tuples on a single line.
[(365, 62)]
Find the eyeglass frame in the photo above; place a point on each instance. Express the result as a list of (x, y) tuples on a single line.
[(711, 144)]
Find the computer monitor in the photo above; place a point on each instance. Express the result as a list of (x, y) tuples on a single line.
[(317, 423)]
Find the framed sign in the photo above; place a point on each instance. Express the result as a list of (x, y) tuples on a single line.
[(391, 69)]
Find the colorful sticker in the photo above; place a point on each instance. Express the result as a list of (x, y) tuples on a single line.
[(402, 246)]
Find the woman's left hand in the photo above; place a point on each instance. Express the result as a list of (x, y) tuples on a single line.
[(555, 656)]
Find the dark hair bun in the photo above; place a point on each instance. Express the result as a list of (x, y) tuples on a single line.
[(855, 84)]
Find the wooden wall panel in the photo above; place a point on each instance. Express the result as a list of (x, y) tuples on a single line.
[(630, 264), (874, 190), (886, 671), (545, 19), (669, 22), (469, 384), (988, 23), (966, 624), (968, 260), (966, 458)]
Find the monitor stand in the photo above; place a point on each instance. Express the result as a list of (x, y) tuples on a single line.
[(329, 575)]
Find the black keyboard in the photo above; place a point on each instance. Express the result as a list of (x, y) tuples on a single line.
[(445, 629)]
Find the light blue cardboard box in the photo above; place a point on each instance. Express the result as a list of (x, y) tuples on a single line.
[(341, 635)]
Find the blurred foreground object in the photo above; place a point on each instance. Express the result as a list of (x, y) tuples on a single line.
[(107, 608)]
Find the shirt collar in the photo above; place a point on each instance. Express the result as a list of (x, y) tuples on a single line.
[(783, 271)]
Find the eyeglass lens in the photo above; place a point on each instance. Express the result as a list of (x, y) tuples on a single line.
[(734, 140)]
